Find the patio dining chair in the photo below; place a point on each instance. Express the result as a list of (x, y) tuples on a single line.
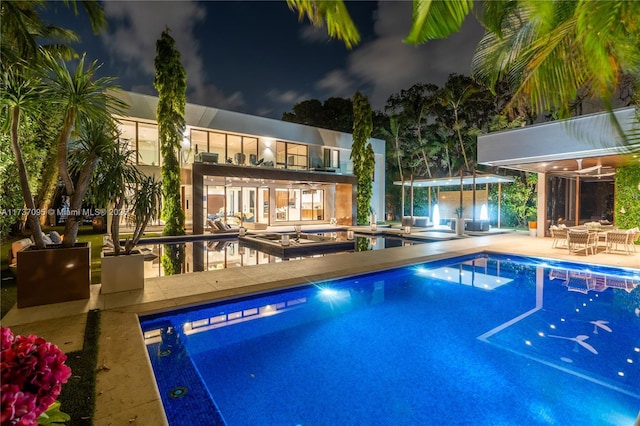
[(634, 235), (559, 235), (617, 241), (578, 241)]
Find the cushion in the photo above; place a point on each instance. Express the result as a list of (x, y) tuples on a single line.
[(219, 225), (226, 226), (16, 246), (55, 237)]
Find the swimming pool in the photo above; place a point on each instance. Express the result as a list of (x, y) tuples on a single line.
[(482, 339)]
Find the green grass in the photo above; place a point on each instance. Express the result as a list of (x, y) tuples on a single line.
[(8, 289), (79, 394)]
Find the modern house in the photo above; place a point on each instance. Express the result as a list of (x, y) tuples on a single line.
[(576, 161), (262, 171)]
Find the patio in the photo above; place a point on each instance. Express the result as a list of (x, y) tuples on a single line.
[(121, 346)]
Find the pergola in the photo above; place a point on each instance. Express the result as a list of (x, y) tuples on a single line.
[(474, 179)]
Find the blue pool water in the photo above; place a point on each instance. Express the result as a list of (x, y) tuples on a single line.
[(482, 340)]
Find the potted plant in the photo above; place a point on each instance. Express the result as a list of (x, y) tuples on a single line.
[(86, 109), (124, 189), (533, 225)]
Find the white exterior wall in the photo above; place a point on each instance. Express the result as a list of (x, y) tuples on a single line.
[(214, 119)]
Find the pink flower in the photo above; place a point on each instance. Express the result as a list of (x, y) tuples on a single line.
[(7, 338), (33, 371), (18, 408)]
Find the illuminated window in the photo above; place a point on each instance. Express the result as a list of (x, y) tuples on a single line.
[(128, 133), (331, 158), (148, 147), (292, 156), (217, 143), (234, 150), (250, 150), (198, 145)]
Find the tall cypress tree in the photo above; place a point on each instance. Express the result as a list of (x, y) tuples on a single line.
[(362, 155), (171, 84)]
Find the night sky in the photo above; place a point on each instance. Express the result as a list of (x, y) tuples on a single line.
[(256, 57)]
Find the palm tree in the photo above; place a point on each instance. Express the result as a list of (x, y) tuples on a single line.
[(85, 101), (19, 94), (549, 51), (21, 49), (453, 99), (414, 107)]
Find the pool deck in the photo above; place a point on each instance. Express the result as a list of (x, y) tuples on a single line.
[(126, 392)]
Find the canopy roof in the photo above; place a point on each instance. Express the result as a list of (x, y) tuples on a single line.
[(588, 146), (480, 179)]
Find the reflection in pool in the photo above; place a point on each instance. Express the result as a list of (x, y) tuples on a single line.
[(219, 253)]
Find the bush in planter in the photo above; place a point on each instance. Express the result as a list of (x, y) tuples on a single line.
[(125, 189)]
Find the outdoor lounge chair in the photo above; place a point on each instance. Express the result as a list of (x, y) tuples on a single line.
[(578, 241), (219, 227), (17, 246)]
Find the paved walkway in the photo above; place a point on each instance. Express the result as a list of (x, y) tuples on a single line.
[(126, 391)]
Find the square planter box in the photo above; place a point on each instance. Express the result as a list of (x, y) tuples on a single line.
[(53, 275), (122, 273)]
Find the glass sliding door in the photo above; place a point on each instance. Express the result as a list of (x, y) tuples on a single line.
[(312, 204), (262, 213), (295, 213), (249, 204), (282, 205), (288, 205), (214, 203)]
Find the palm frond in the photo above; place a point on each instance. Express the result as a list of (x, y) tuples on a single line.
[(437, 19), (333, 14)]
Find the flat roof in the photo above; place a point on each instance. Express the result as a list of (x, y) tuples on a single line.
[(480, 179), (143, 106), (554, 146)]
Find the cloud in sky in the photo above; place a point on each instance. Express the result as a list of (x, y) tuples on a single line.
[(136, 26), (287, 97), (385, 65), (313, 34), (337, 83)]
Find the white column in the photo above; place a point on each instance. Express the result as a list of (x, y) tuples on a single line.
[(542, 204)]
